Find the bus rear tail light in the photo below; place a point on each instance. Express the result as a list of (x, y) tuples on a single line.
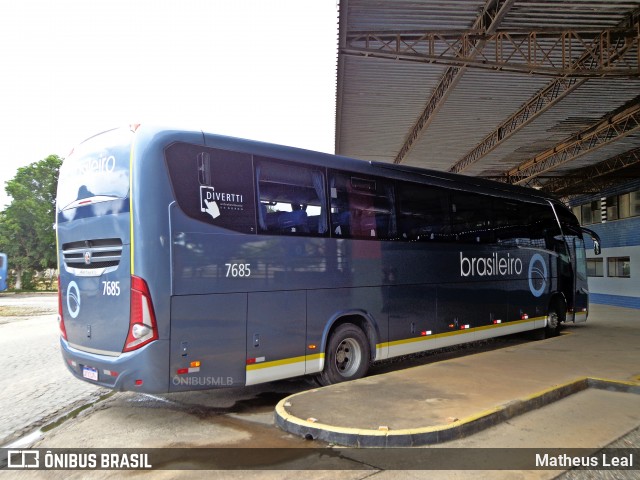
[(63, 330), (142, 324)]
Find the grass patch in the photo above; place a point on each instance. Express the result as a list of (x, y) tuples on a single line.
[(25, 311)]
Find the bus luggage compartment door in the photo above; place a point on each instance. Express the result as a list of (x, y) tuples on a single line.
[(276, 332), (208, 348)]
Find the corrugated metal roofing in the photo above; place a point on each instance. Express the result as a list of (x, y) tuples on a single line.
[(380, 99)]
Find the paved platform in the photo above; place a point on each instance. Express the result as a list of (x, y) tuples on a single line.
[(456, 398)]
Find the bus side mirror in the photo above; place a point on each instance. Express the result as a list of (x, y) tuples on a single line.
[(596, 240), (596, 246)]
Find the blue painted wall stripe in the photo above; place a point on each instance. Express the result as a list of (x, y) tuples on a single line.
[(617, 233), (615, 300)]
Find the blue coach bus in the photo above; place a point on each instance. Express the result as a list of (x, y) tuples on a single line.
[(3, 271), (192, 261)]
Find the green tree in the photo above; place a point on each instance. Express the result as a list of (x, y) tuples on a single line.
[(27, 232)]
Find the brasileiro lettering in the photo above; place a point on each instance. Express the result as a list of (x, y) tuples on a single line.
[(101, 164), (493, 265)]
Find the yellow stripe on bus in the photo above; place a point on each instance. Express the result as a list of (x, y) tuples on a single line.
[(132, 250), (506, 324), (317, 356), (285, 361), (455, 332)]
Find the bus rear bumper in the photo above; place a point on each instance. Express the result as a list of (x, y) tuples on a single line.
[(144, 370)]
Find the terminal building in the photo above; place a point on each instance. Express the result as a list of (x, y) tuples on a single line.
[(542, 94), (614, 214)]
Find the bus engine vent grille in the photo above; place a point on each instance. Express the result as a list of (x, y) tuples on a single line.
[(90, 254)]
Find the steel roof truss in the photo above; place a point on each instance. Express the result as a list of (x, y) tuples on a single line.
[(603, 133), (544, 52), (540, 103), (491, 16), (577, 180)]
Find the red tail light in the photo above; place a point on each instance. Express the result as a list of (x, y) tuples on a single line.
[(142, 323), (63, 331)]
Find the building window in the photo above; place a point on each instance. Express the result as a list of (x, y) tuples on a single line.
[(617, 207), (623, 206), (619, 267), (634, 204), (577, 211), (591, 213), (612, 208), (595, 267)]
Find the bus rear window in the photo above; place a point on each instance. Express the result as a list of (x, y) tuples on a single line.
[(96, 171)]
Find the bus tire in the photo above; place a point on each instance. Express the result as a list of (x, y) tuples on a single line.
[(554, 321), (347, 356)]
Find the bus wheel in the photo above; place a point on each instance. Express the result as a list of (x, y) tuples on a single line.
[(554, 322), (347, 356)]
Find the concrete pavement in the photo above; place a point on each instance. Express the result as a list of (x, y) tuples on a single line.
[(452, 399), (35, 386), (438, 401)]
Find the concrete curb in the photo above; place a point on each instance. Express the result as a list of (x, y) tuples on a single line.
[(355, 437)]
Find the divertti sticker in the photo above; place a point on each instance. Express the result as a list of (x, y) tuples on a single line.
[(537, 275), (214, 203), (207, 202), (73, 299)]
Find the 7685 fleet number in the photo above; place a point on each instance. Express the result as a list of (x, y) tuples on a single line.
[(235, 270)]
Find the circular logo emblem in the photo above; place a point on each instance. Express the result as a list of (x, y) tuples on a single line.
[(73, 299), (87, 257), (537, 275)]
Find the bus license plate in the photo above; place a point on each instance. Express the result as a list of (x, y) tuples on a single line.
[(90, 373)]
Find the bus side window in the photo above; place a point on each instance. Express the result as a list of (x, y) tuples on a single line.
[(472, 217), (213, 186), (291, 199), (362, 207), (512, 221), (544, 230), (423, 213)]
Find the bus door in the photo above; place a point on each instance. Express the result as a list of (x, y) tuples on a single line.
[(568, 282), (580, 287), (572, 265)]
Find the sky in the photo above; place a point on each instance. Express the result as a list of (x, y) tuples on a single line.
[(258, 69)]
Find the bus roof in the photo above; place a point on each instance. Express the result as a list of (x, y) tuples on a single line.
[(296, 154), (445, 179)]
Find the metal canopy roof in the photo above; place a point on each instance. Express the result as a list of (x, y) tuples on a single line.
[(544, 93)]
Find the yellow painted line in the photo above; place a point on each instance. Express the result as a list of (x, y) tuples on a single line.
[(455, 332), (546, 391), (283, 414), (447, 426), (627, 383), (284, 361)]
